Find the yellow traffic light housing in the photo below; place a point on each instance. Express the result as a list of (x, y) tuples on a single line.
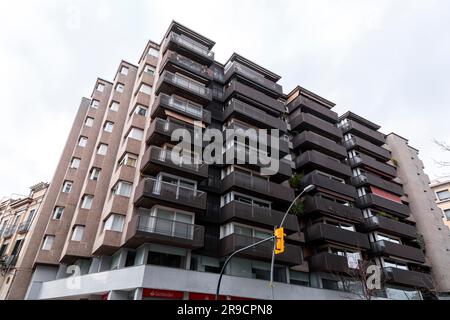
[(279, 238)]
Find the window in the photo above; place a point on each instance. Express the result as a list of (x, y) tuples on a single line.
[(120, 87), (153, 52), (102, 149), (89, 122), (108, 127), (75, 163), (380, 237), (443, 195), (128, 160), (94, 174), (136, 133), (394, 264), (124, 70), (58, 212), (48, 242), (114, 106), (94, 104), (149, 69), (123, 188), (67, 186), (82, 142), (115, 222), (100, 87), (141, 110), (77, 233), (86, 201), (145, 89)]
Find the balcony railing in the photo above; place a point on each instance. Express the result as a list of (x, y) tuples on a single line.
[(373, 180), (320, 205), (316, 160), (156, 159), (309, 122), (310, 140), (384, 204), (24, 226), (171, 231), (332, 185), (253, 114), (151, 191), (329, 262), (408, 277), (189, 65), (380, 167), (183, 106), (398, 250), (191, 45), (391, 226), (326, 232), (186, 84), (263, 216), (375, 151), (314, 108), (161, 130), (373, 136), (292, 255)]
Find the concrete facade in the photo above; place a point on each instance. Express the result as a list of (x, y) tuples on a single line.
[(439, 187)]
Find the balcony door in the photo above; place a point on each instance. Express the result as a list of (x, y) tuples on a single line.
[(172, 223)]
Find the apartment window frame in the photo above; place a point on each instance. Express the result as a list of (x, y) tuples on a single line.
[(100, 148), (108, 126), (100, 87), (445, 198), (135, 133), (75, 163), (124, 70), (86, 201), (82, 141), (94, 173), (120, 87), (114, 222), (114, 106), (47, 242), (95, 103), (67, 186), (149, 69), (138, 110), (89, 122), (145, 88), (153, 52), (128, 159), (58, 212), (446, 213), (123, 188), (77, 233)]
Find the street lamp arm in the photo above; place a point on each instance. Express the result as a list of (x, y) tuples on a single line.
[(306, 189)]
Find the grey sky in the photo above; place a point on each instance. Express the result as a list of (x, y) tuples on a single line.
[(385, 60)]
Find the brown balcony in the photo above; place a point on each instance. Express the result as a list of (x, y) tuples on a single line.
[(309, 122), (236, 68), (171, 83), (409, 278), (163, 231), (151, 192), (317, 205), (379, 153), (383, 204), (328, 262), (252, 96), (175, 62), (387, 248), (390, 226), (374, 165), (308, 140), (321, 232), (181, 106), (328, 185), (257, 186), (189, 47), (160, 131), (312, 160), (252, 115), (373, 180), (156, 160), (302, 103), (291, 256), (364, 132), (263, 217)]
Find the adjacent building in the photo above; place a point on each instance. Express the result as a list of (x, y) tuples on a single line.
[(441, 191), (17, 222), (123, 220)]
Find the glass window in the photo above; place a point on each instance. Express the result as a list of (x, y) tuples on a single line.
[(82, 141), (108, 127), (48, 242), (447, 214), (102, 149), (123, 188), (145, 89), (381, 237), (149, 69), (120, 87), (89, 122), (128, 160), (136, 133), (141, 110), (443, 195), (100, 87), (124, 70), (115, 222), (114, 106), (95, 173), (58, 212), (86, 201), (153, 52), (77, 233), (298, 278), (75, 163), (243, 231), (67, 186), (94, 104)]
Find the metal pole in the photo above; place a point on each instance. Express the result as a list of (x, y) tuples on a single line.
[(231, 256)]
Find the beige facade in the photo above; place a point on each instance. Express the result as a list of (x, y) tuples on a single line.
[(17, 223), (424, 211), (441, 191)]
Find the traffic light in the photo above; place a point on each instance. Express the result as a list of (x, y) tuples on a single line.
[(279, 238)]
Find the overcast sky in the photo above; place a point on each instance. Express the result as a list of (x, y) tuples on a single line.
[(388, 61)]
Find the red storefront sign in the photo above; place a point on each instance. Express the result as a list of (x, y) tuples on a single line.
[(164, 294)]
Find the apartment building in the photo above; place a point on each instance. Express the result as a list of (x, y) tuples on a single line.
[(124, 220), (17, 222), (434, 235), (441, 191)]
